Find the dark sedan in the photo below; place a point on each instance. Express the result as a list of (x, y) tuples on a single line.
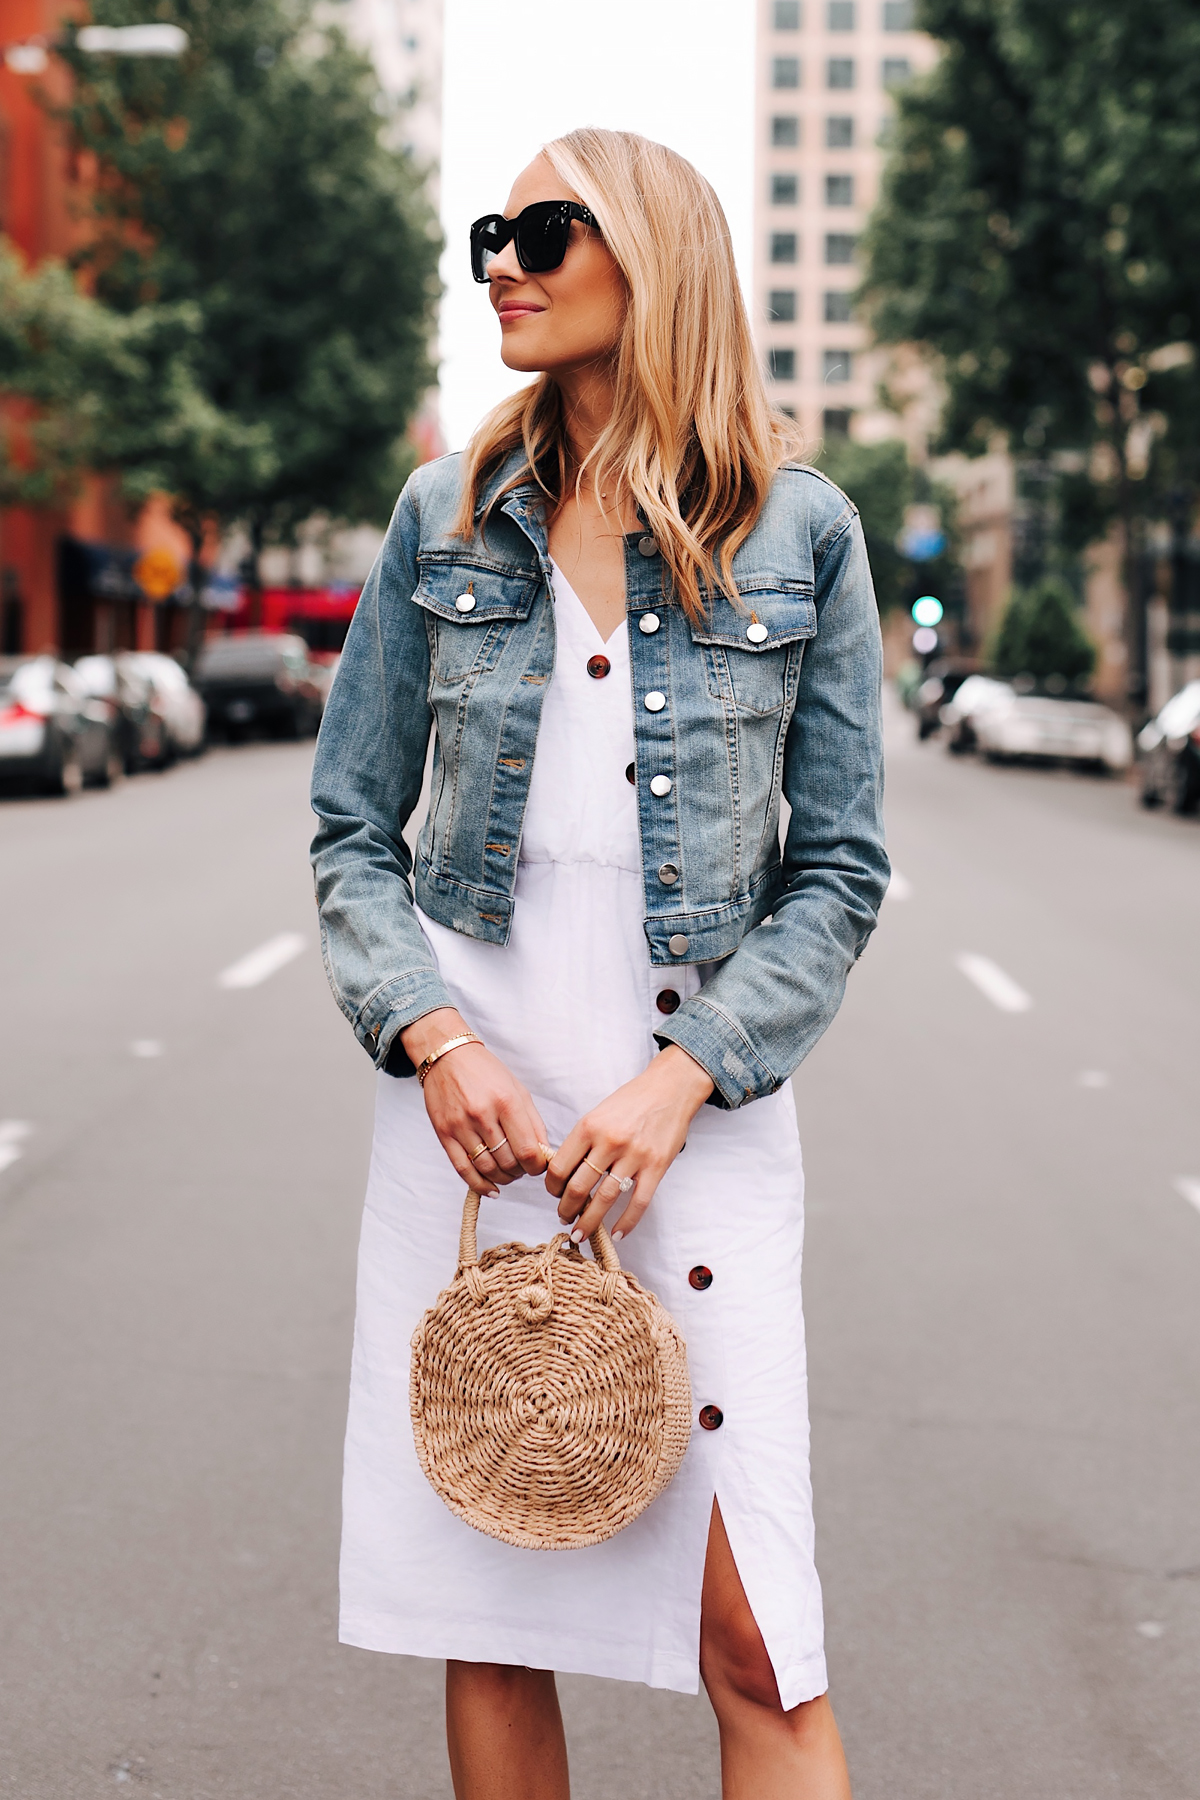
[(259, 681), (1170, 750)]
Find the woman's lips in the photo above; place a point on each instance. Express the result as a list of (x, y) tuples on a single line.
[(518, 312)]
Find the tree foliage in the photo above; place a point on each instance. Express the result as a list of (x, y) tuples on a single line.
[(251, 181), (1036, 232), (102, 390), (1040, 637)]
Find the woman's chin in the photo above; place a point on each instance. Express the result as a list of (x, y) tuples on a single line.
[(519, 357)]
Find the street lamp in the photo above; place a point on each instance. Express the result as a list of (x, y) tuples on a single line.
[(31, 56)]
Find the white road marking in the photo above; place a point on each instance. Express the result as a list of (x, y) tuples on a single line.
[(263, 962), (992, 982), (13, 1133), (1151, 1628), (145, 1047), (899, 887), (1092, 1078), (1189, 1187)]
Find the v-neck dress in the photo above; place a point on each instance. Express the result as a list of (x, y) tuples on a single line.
[(571, 1004)]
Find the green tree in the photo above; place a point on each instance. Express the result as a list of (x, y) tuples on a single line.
[(1040, 637), (252, 180), (1036, 236), (103, 390)]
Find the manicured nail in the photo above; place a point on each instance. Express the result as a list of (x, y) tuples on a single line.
[(617, 1236), (577, 1236)]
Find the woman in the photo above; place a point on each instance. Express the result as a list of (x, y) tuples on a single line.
[(629, 622)]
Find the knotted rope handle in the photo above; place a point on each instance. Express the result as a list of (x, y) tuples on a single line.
[(468, 1245)]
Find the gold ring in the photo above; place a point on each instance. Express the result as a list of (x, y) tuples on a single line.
[(492, 1148), (591, 1165), (477, 1151)]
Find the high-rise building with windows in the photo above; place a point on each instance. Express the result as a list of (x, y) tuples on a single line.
[(827, 71)]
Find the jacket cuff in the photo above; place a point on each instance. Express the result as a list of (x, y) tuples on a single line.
[(393, 1006), (716, 1042)]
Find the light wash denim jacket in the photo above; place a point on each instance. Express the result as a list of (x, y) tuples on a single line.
[(778, 691)]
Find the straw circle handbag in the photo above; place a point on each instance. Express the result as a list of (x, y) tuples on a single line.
[(549, 1392)]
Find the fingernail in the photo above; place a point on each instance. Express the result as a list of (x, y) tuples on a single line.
[(577, 1236), (617, 1236)]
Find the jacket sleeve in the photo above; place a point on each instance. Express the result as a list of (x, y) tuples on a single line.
[(766, 1006), (367, 779)]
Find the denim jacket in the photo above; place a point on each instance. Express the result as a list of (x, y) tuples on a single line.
[(776, 692)]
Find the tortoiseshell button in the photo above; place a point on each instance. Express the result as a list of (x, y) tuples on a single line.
[(667, 1002), (598, 667), (700, 1277), (631, 773), (711, 1418)]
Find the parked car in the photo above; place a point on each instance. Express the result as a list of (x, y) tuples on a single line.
[(174, 700), (259, 680), (975, 696), (54, 737), (942, 681), (1170, 747), (115, 684), (1048, 729)]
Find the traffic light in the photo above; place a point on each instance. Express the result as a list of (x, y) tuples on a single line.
[(927, 611)]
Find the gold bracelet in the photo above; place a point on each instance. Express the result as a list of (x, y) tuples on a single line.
[(464, 1037)]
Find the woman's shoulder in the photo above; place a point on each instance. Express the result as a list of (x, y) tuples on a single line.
[(433, 489), (804, 515)]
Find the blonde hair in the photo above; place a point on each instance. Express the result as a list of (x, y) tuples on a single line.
[(693, 440)]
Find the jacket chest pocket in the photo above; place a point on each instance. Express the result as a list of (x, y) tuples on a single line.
[(470, 610), (752, 656)]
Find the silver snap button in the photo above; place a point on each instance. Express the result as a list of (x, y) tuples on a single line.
[(647, 547), (668, 874), (654, 701), (660, 785), (756, 632), (465, 603), (649, 623), (678, 944)]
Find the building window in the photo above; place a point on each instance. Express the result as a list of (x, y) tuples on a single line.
[(781, 365), (839, 72), (781, 306), (839, 190), (785, 190), (785, 245), (896, 71), (839, 133), (785, 72), (785, 15), (841, 15), (785, 131), (897, 15), (836, 421), (837, 307), (839, 248), (838, 365)]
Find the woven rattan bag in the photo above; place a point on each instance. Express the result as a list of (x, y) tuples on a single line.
[(549, 1392)]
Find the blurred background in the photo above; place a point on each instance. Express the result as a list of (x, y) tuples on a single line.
[(235, 311)]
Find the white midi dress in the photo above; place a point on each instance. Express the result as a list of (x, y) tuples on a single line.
[(570, 1004)]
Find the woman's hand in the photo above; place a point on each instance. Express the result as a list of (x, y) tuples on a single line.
[(472, 1099), (637, 1132)]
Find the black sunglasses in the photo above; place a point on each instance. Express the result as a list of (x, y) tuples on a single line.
[(542, 232)]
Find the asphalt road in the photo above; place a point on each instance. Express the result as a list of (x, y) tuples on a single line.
[(1002, 1287)]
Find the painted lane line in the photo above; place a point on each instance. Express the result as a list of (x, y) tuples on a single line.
[(899, 887), (13, 1133), (1092, 1078), (262, 963), (145, 1047), (1189, 1187), (992, 982)]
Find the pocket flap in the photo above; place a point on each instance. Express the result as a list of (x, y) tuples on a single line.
[(495, 593), (786, 610)]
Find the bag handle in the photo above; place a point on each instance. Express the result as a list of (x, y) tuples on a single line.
[(603, 1248)]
